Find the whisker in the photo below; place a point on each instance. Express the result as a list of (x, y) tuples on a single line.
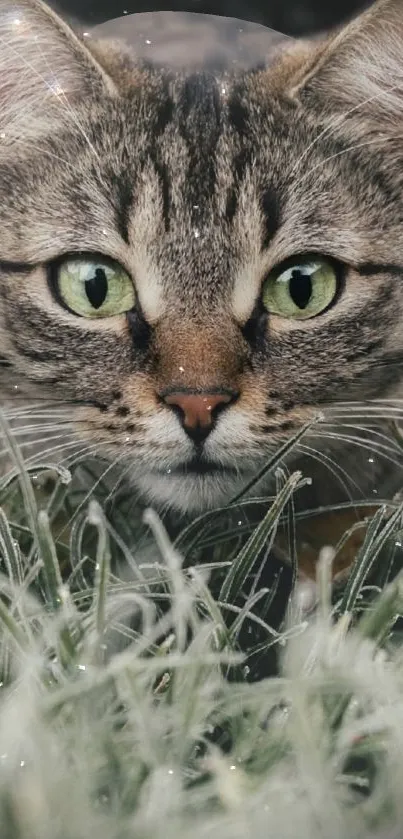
[(372, 410), (334, 468), (365, 415), (374, 141), (43, 150), (389, 445), (29, 405), (87, 450), (388, 400), (329, 129), (61, 97), (37, 412), (85, 501), (48, 451), (39, 428), (37, 441), (360, 443), (117, 483)]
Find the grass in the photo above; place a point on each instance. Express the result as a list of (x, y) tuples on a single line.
[(129, 705)]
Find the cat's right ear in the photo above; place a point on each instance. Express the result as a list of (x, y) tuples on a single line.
[(360, 66), (44, 69)]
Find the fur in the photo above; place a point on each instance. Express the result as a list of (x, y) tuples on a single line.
[(199, 184)]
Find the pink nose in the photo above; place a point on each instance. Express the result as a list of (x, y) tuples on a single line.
[(198, 410)]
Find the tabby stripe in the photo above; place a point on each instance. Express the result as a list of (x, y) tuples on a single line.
[(370, 268), (124, 206), (16, 267), (161, 171), (271, 211), (34, 355), (44, 356), (240, 164)]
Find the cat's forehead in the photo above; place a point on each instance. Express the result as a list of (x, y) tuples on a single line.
[(208, 138), (199, 187)]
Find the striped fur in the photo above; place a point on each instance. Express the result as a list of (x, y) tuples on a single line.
[(199, 184)]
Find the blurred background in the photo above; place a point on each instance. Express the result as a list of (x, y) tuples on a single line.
[(293, 17)]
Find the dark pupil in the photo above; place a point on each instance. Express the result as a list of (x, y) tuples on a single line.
[(96, 288), (300, 288)]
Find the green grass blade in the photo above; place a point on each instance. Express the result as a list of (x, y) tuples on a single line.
[(103, 559), (375, 538), (247, 557), (10, 551), (275, 460)]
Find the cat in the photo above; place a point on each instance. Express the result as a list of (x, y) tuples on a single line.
[(193, 265)]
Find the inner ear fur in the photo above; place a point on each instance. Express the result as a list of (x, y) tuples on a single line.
[(44, 67), (361, 64)]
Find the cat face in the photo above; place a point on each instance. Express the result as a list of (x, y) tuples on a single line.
[(195, 265)]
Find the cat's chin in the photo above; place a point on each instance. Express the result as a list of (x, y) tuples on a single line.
[(190, 493)]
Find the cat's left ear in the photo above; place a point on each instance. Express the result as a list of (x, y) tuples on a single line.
[(362, 65), (44, 68)]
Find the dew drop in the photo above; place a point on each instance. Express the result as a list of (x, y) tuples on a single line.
[(147, 41), (196, 233)]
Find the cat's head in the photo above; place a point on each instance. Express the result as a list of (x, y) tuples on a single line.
[(193, 266)]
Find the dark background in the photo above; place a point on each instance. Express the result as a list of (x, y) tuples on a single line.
[(294, 17)]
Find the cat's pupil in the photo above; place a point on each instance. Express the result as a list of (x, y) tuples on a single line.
[(300, 288), (96, 288)]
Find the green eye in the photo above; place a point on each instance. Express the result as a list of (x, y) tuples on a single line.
[(302, 290), (94, 288)]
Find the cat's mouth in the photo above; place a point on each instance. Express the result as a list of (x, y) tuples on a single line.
[(194, 485), (201, 467)]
